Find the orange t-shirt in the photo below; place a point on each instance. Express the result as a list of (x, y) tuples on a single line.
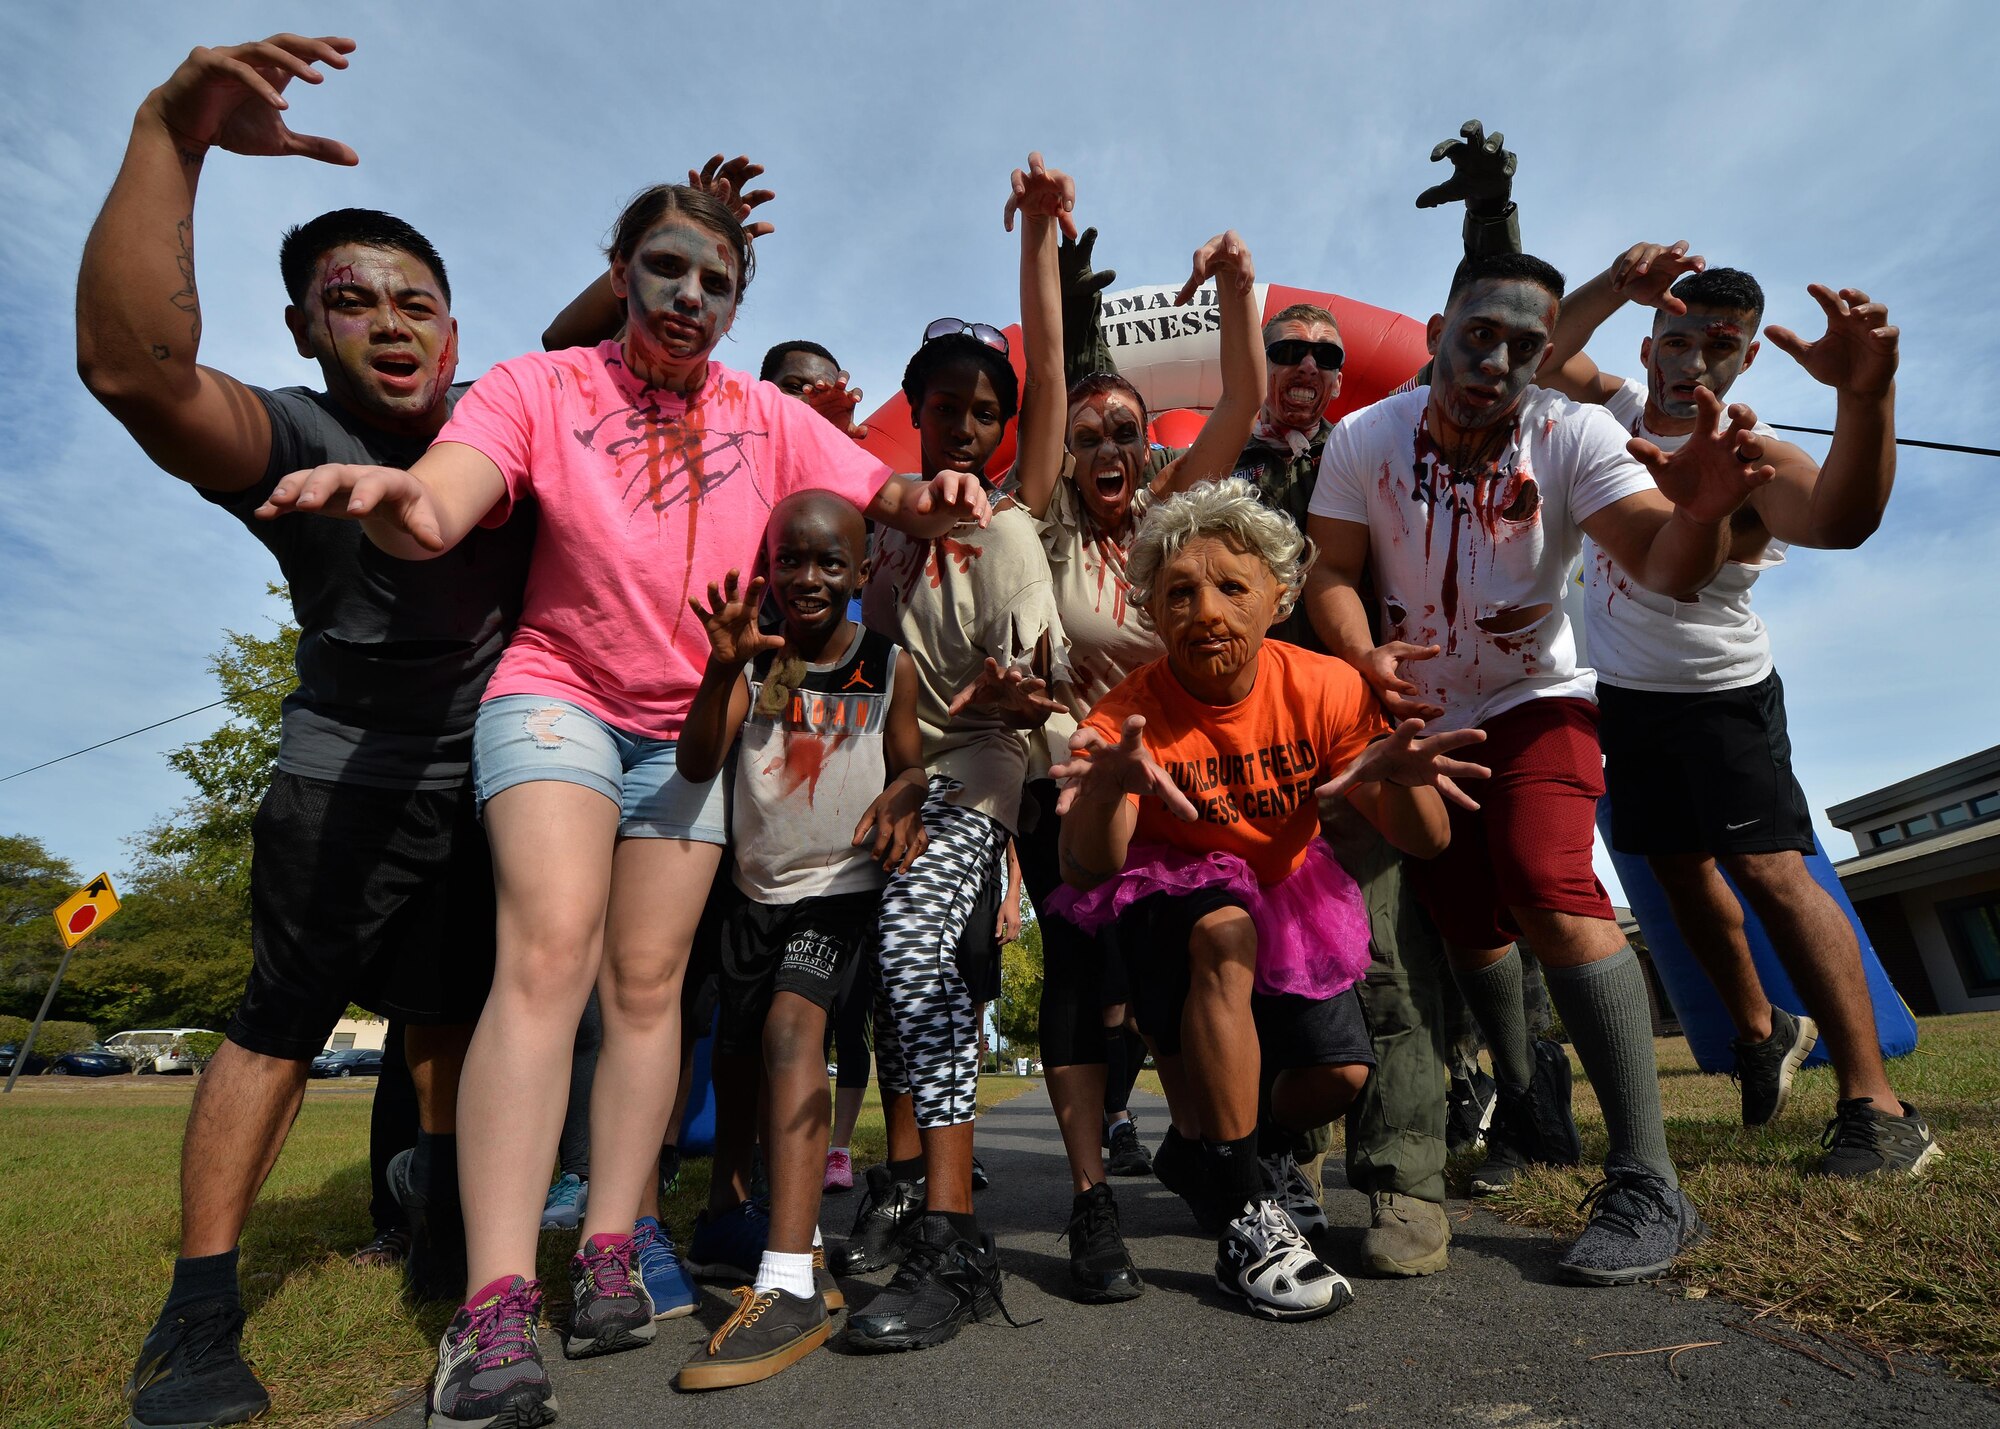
[(1250, 768)]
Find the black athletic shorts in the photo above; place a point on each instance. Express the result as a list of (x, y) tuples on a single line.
[(1291, 1031), (809, 948), (1701, 773), (382, 897)]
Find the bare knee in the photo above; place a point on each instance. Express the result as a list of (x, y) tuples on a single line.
[(1684, 874), (1774, 876), (794, 1034), (1222, 954), (1568, 939), (643, 987)]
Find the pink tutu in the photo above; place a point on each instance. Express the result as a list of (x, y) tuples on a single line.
[(1312, 927)]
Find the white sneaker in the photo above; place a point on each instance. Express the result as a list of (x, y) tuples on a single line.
[(1295, 1193), (1263, 1258)]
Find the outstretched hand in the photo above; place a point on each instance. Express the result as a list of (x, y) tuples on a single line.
[(1108, 771), (233, 97), (1410, 758), (1482, 171), (1041, 192), (958, 492), (355, 492), (1858, 354), (836, 402), (1010, 694), (729, 180), (1224, 253), (1644, 272), (1078, 280), (731, 622), (1382, 668), (1716, 469)]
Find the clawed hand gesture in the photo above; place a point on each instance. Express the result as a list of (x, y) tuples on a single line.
[(1224, 253), (1644, 272), (1108, 771), (1715, 471), (1858, 354), (1079, 281), (1382, 668), (1482, 171), (1413, 759), (234, 96), (731, 622), (1041, 192), (959, 492), (1009, 693), (354, 492), (893, 828), (729, 180), (836, 402)]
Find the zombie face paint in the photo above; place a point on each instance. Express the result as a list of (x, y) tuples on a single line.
[(1107, 440), (959, 424), (1486, 349), (800, 370), (680, 298), (1211, 606), (816, 551), (1298, 393), (376, 321), (1697, 348)]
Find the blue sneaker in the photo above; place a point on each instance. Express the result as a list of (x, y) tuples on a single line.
[(667, 1280), (728, 1248), (563, 1211)]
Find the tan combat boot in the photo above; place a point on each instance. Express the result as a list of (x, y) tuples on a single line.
[(1405, 1236)]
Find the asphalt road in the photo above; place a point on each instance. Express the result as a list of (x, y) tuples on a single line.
[(1493, 1341)]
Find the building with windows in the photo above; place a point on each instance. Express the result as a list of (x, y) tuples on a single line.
[(1926, 882)]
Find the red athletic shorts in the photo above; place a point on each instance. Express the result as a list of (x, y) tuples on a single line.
[(1529, 845)]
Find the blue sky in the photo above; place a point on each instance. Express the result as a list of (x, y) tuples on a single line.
[(1831, 142)]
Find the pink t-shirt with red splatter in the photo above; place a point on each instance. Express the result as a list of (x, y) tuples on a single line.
[(645, 497)]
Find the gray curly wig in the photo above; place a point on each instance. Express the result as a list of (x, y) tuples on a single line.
[(1230, 509)]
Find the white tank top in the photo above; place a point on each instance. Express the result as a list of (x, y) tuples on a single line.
[(1642, 640)]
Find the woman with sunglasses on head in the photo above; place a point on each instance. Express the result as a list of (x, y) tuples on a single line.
[(652, 468), (1087, 494), (976, 611)]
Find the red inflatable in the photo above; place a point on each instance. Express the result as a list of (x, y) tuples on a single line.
[(1173, 357)]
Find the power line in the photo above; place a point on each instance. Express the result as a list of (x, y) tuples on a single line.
[(1900, 441), (268, 685)]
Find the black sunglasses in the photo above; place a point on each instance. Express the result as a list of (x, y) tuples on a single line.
[(958, 327), (1290, 351)]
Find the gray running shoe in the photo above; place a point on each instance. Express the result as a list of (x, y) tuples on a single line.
[(610, 1308), (1861, 1141), (1764, 1070), (1638, 1224)]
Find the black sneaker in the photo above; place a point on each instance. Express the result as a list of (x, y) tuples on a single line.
[(435, 1269), (888, 1218), (490, 1364), (1861, 1141), (1470, 1102), (1183, 1170), (1127, 1155), (770, 1330), (191, 1371), (1764, 1070), (1100, 1268), (980, 1180), (1504, 1161), (944, 1281), (1638, 1224), (610, 1309)]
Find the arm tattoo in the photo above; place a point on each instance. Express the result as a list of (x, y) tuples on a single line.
[(186, 299)]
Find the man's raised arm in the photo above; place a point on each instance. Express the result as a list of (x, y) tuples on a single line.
[(138, 315)]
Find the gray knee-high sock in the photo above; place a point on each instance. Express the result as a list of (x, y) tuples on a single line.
[(1494, 995), (1604, 1009)]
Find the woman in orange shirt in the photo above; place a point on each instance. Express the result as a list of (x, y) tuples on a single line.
[(1193, 826)]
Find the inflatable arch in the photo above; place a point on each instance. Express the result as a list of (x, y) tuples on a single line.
[(1173, 356)]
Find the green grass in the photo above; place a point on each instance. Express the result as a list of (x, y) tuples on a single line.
[(88, 1223), (1890, 1265)]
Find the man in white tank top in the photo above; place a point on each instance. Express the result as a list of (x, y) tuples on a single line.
[(1697, 759)]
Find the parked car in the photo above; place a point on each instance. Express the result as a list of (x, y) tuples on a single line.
[(156, 1049), (349, 1062), (36, 1061), (96, 1060)]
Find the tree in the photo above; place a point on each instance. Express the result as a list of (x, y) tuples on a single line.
[(32, 882), (1018, 1014)]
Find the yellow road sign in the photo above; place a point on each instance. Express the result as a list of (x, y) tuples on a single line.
[(82, 912)]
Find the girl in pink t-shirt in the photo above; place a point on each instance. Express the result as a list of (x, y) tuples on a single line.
[(649, 465)]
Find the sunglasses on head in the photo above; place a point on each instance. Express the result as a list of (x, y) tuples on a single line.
[(1290, 351), (958, 327)]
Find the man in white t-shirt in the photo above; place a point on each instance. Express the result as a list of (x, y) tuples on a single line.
[(1467, 501), (1697, 757)]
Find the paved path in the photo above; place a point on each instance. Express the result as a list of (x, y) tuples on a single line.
[(1493, 1341)]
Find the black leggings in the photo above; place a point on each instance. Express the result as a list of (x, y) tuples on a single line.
[(392, 1128), (1074, 963)]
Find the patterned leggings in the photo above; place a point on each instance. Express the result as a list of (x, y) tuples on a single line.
[(926, 1038)]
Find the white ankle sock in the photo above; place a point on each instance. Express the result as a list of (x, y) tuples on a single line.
[(792, 1274), (837, 1151)]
